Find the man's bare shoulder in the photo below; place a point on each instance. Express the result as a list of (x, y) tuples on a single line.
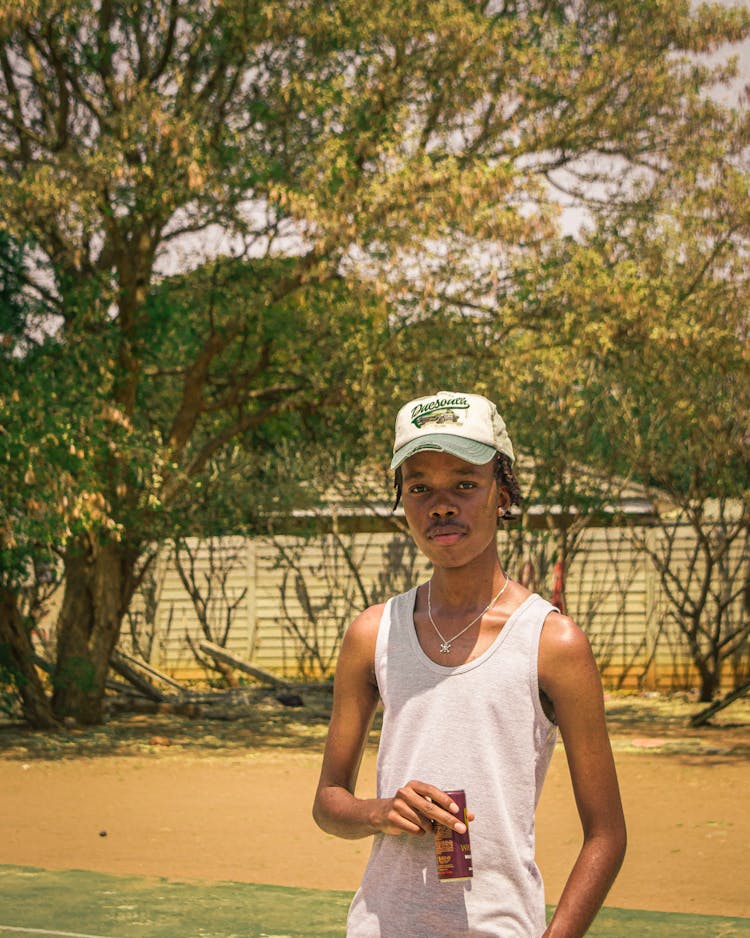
[(562, 635), (566, 660), (363, 632), (563, 643), (371, 616), (368, 620)]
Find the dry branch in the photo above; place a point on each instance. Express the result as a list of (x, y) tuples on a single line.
[(705, 715), (221, 654), (153, 672), (134, 677)]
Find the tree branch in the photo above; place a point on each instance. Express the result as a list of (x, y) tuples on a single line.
[(169, 43), (18, 124), (282, 399)]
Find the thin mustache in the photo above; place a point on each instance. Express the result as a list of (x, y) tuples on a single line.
[(445, 527)]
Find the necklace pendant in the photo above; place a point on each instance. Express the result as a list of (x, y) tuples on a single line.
[(445, 647)]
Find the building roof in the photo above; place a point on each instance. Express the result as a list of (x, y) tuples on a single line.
[(365, 502)]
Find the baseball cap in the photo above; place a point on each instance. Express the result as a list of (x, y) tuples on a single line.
[(465, 425)]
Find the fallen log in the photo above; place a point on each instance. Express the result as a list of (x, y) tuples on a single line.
[(134, 677), (122, 687), (221, 654), (153, 672), (705, 715)]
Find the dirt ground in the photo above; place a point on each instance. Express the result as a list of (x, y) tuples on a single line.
[(226, 796)]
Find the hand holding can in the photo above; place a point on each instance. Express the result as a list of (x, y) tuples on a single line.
[(453, 850)]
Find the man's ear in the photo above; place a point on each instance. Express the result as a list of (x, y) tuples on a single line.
[(503, 500)]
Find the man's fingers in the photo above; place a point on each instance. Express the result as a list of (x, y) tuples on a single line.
[(409, 806), (428, 804)]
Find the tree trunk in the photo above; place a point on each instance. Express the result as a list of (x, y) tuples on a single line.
[(98, 587), (709, 681), (15, 640)]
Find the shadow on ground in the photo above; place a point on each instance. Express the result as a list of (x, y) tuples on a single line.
[(257, 720)]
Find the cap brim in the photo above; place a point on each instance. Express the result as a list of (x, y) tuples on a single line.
[(468, 450)]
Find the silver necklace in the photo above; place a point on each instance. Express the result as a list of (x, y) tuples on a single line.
[(445, 643)]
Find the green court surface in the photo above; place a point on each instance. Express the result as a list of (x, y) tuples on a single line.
[(96, 905)]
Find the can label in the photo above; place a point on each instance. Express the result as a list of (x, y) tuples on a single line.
[(453, 850)]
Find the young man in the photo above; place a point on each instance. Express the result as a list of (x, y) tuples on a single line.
[(475, 674)]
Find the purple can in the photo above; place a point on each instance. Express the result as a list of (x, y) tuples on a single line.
[(453, 850)]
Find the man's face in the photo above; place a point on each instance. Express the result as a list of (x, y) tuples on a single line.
[(451, 507)]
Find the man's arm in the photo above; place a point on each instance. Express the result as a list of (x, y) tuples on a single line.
[(569, 677), (336, 808)]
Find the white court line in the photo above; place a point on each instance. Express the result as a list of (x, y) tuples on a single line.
[(43, 931)]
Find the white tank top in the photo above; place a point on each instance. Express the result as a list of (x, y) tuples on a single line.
[(479, 726)]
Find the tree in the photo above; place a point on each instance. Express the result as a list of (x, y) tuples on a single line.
[(406, 146), (689, 439), (658, 303), (692, 441)]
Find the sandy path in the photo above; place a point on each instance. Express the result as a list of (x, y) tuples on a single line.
[(247, 818)]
